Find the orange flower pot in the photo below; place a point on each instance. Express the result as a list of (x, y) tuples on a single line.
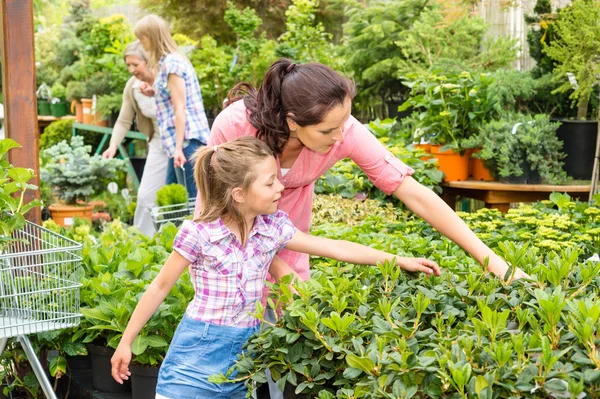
[(478, 169), (98, 121), (454, 165), (77, 110), (88, 117), (426, 148), (65, 215)]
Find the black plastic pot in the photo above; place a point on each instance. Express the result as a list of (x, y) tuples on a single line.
[(143, 381), (102, 380), (138, 165), (579, 138), (528, 177), (79, 362), (112, 119)]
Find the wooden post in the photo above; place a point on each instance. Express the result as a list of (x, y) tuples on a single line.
[(18, 82)]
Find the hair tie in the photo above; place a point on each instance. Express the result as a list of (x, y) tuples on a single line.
[(215, 148), (290, 68)]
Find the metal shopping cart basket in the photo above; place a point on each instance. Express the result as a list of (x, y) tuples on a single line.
[(39, 289), (171, 213)]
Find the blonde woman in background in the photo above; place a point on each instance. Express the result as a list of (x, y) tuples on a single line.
[(180, 111), (143, 109)]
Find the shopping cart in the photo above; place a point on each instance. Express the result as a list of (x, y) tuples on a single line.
[(39, 289), (171, 213)]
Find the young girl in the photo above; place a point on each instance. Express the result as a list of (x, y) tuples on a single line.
[(180, 110), (228, 249)]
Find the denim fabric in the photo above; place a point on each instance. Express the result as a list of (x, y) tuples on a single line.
[(190, 182), (199, 350)]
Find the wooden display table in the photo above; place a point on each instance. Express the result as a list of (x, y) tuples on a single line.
[(500, 195)]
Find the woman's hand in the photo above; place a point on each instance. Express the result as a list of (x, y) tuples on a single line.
[(146, 89), (179, 159), (110, 152), (419, 265), (499, 267), (120, 363)]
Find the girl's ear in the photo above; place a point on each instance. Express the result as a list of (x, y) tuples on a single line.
[(238, 195)]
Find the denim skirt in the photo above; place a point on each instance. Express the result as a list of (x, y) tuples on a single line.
[(197, 351)]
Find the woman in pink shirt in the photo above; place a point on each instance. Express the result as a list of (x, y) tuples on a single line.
[(303, 113)]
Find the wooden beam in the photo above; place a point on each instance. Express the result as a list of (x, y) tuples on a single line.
[(18, 82)]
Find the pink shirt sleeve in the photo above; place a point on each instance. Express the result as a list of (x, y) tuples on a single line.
[(380, 165)]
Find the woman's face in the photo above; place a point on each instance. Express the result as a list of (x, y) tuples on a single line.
[(322, 136), (137, 67)]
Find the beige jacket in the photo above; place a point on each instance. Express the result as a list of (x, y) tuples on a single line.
[(129, 110)]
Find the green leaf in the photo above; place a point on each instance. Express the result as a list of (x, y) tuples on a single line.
[(362, 363)]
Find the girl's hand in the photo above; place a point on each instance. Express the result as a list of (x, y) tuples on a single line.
[(419, 265), (179, 159), (499, 267), (146, 89), (120, 363)]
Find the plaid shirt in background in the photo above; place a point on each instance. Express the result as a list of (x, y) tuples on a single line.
[(196, 125), (227, 278)]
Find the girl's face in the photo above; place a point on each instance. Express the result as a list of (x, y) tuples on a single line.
[(145, 41), (262, 197), (137, 67), (322, 136)]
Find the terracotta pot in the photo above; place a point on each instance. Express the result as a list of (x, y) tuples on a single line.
[(77, 110), (478, 169), (65, 214), (98, 121), (88, 117), (454, 165)]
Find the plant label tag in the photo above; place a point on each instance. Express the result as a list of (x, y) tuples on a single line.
[(572, 80), (68, 221)]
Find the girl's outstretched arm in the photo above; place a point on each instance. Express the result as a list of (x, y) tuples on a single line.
[(155, 295), (351, 252)]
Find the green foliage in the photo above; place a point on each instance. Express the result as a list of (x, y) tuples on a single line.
[(540, 34), (58, 91), (450, 108), (376, 332), (388, 40), (56, 132), (220, 67), (345, 178), (171, 194), (534, 143), (14, 182), (109, 104), (306, 40), (575, 50), (73, 173)]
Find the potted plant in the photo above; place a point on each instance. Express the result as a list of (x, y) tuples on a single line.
[(58, 106), (449, 109), (109, 107), (521, 149), (574, 50), (43, 100), (75, 175), (76, 91)]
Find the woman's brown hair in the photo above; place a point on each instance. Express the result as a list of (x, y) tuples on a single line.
[(220, 169), (301, 92)]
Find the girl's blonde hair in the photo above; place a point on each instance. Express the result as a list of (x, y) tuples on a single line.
[(220, 169), (158, 33), (135, 49)]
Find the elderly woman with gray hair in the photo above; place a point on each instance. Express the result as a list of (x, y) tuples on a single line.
[(143, 109)]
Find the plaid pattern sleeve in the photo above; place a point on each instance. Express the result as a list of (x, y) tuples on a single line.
[(187, 241), (285, 228), (196, 124)]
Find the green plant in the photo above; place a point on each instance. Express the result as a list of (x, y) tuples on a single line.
[(56, 132), (73, 173), (14, 183), (574, 50), (507, 148), (449, 108), (109, 104), (77, 90), (540, 34), (59, 91), (172, 194)]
